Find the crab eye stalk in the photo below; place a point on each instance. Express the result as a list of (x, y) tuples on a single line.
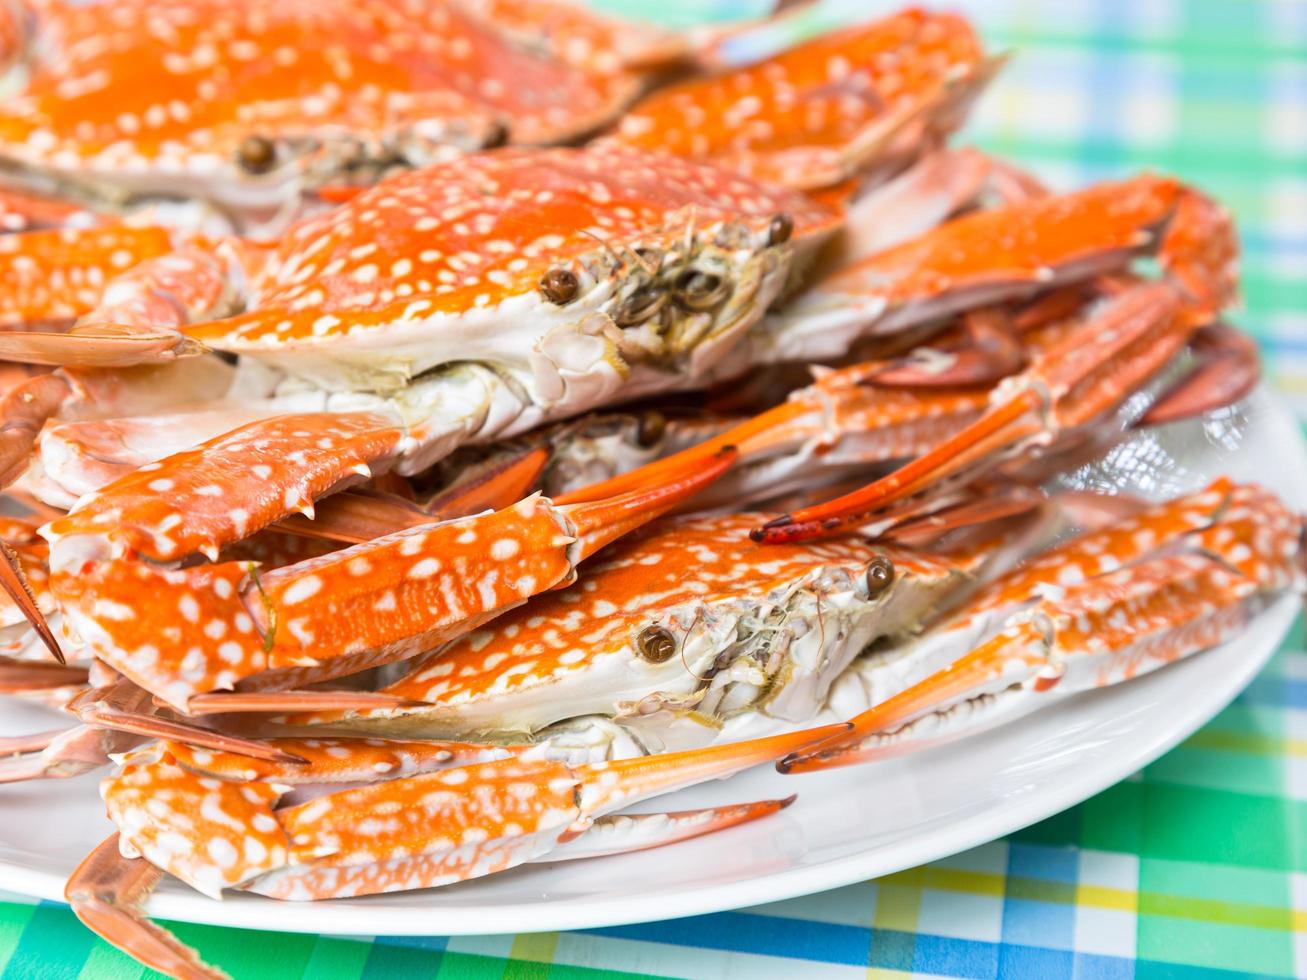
[(640, 306), (879, 575), (780, 230), (256, 154), (655, 644), (699, 291), (559, 286)]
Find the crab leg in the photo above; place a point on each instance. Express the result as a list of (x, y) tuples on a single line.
[(1121, 612), (24, 409), (992, 353), (108, 893), (1072, 385), (55, 276), (18, 676), (836, 421), (869, 413), (25, 211), (1228, 369)]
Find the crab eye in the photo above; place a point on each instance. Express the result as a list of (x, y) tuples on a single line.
[(780, 230), (696, 290), (559, 286), (650, 429), (256, 154), (879, 576), (641, 305), (496, 135), (655, 644)]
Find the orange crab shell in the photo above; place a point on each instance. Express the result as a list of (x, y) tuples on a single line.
[(796, 117), (470, 234)]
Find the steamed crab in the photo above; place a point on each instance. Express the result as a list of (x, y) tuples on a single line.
[(671, 658)]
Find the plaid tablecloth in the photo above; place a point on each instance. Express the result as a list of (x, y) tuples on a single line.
[(1197, 866)]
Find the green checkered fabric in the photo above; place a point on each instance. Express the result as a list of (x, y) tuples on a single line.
[(1197, 866)]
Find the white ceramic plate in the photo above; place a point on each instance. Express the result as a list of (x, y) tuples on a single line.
[(848, 825)]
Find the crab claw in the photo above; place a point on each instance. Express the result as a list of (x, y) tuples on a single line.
[(422, 830), (505, 813)]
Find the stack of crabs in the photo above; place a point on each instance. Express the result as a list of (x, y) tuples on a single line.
[(317, 318)]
